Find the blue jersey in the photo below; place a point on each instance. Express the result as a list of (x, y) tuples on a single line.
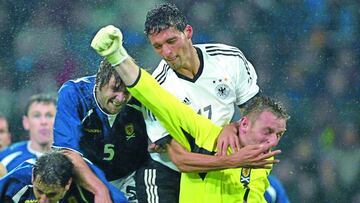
[(16, 186), (116, 144), (275, 192), (17, 153)]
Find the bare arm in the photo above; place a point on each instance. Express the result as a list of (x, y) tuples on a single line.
[(87, 179), (252, 156)]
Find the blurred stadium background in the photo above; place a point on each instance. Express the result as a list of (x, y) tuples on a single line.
[(306, 53)]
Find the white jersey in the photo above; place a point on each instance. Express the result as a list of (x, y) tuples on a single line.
[(225, 79)]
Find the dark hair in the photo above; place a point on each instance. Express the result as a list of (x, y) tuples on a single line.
[(104, 74), (39, 98), (53, 168), (261, 103), (162, 17)]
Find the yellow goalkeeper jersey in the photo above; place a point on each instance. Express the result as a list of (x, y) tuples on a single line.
[(194, 131)]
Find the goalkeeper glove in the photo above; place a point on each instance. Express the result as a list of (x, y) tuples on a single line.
[(108, 43)]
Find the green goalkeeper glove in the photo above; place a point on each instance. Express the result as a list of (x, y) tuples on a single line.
[(108, 43)]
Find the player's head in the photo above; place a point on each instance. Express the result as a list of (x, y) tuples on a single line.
[(52, 177), (39, 119), (111, 92), (170, 35), (5, 136), (263, 121)]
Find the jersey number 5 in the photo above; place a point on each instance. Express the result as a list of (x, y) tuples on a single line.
[(109, 152)]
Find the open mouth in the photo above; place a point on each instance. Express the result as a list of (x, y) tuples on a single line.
[(171, 59)]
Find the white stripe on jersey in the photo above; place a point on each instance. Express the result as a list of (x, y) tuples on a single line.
[(150, 185), (20, 193), (5, 161)]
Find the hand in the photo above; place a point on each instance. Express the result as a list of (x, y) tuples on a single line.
[(255, 156), (156, 148), (228, 136), (87, 179), (108, 43)]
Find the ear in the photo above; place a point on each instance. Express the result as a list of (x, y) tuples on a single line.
[(25, 121), (188, 31), (67, 186), (243, 124)]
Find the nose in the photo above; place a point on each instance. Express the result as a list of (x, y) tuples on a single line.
[(44, 120), (273, 139), (166, 51), (121, 96)]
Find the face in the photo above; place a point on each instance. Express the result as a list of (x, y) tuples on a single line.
[(112, 98), (5, 137), (49, 193), (173, 46), (39, 122), (266, 128)]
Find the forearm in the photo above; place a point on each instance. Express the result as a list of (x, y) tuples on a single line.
[(193, 162), (128, 71), (84, 176)]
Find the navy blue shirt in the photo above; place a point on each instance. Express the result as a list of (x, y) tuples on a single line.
[(117, 148)]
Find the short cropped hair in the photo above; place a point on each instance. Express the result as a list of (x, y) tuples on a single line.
[(104, 74), (162, 17), (53, 168), (40, 98), (261, 103)]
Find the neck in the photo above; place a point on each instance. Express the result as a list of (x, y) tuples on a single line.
[(191, 66), (39, 147)]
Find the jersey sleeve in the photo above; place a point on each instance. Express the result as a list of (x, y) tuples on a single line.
[(245, 80), (179, 119), (67, 126), (156, 132)]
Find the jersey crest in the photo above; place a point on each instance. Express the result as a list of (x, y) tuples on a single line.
[(222, 91), (129, 130), (245, 176)]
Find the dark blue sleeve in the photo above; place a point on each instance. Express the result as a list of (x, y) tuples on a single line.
[(276, 192), (67, 127), (116, 195)]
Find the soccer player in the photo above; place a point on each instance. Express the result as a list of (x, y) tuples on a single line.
[(5, 135), (48, 179), (97, 118), (276, 193), (211, 78), (38, 120), (264, 122)]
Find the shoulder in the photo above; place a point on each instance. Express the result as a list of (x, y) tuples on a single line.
[(78, 91), (217, 49), (162, 71), (78, 86), (17, 146)]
